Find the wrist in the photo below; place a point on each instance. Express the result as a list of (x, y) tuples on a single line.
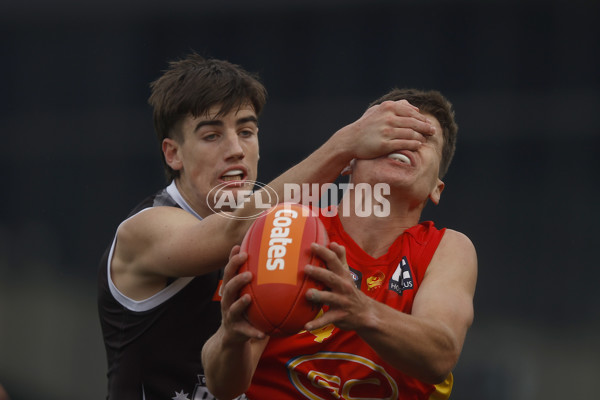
[(231, 340), (371, 320), (341, 148)]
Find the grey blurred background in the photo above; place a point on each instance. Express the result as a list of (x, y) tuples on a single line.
[(80, 152)]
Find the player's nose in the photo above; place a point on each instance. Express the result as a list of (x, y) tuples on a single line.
[(234, 148)]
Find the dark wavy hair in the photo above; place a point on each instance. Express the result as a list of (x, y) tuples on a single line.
[(191, 86)]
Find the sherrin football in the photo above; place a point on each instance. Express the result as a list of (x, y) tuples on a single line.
[(278, 247)]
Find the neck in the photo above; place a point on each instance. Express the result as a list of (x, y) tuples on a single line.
[(187, 194), (376, 233)]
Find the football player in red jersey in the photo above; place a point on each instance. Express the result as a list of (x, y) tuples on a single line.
[(400, 297)]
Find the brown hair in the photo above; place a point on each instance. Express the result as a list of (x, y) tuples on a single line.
[(192, 86), (434, 103)]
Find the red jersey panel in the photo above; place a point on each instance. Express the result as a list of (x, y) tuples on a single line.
[(333, 364)]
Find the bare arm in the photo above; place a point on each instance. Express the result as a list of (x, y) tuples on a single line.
[(167, 242), (425, 344), (231, 355)]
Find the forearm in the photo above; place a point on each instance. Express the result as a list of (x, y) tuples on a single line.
[(423, 342), (327, 162), (229, 366), (423, 348), (322, 166)]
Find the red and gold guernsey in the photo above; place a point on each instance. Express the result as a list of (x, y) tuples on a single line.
[(330, 363)]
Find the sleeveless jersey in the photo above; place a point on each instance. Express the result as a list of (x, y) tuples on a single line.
[(330, 363), (153, 346)]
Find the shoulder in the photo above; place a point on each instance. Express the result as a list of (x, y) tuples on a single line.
[(455, 258), (457, 241), (450, 280), (149, 227), (153, 218)]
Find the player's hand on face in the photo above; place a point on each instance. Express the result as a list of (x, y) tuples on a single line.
[(233, 307), (388, 127), (347, 304)]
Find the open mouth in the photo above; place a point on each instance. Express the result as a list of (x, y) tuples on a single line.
[(400, 157), (233, 175)]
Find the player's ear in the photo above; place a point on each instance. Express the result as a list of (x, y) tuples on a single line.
[(170, 149), (436, 193)]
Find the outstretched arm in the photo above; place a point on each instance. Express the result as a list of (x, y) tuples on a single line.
[(168, 242), (425, 344)]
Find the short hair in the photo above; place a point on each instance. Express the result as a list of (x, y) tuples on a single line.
[(194, 84), (434, 103)]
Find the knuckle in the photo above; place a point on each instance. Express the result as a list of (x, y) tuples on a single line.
[(389, 119), (330, 256), (387, 130), (331, 280), (387, 105)]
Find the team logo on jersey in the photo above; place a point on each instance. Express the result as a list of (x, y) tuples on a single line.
[(402, 279), (323, 333), (376, 281), (326, 375), (356, 276)]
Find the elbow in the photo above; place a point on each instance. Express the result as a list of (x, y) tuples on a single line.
[(225, 390), (439, 369), (228, 389), (436, 376), (441, 362)]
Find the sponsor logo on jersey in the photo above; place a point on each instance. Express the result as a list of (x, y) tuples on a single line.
[(356, 276), (402, 278), (327, 375), (374, 282)]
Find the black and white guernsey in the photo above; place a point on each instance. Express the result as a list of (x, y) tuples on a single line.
[(153, 346)]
